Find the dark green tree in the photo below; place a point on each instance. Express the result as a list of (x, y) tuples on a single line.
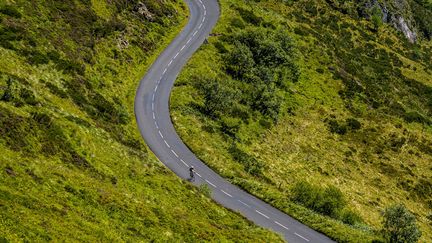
[(217, 98), (240, 61)]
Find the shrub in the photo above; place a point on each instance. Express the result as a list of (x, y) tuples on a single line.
[(399, 225), (331, 202), (350, 217), (327, 201), (230, 126), (249, 16), (335, 127), (240, 61), (217, 98), (267, 102), (10, 11), (205, 190), (353, 124), (306, 194)]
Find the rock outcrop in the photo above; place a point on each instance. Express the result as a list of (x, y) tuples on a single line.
[(142, 10), (395, 13)]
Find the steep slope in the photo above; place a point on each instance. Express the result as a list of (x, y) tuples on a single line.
[(321, 108), (73, 165)]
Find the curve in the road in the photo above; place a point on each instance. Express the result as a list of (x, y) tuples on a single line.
[(154, 122)]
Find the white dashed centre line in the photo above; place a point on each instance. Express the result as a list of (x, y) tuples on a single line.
[(198, 174), (226, 193), (183, 47), (247, 205), (169, 64), (281, 225), (167, 144), (175, 154), (176, 55), (154, 116), (160, 134), (165, 70), (184, 163), (211, 183), (262, 214), (301, 236)]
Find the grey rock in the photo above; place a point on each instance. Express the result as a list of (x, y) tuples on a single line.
[(141, 9)]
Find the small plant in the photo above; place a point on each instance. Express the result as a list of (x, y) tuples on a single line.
[(205, 190)]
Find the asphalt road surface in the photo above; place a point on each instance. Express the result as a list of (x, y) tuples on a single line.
[(154, 122)]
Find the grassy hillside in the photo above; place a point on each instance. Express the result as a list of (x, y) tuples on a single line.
[(72, 163), (317, 108)]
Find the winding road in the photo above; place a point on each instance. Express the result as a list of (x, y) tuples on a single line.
[(154, 122)]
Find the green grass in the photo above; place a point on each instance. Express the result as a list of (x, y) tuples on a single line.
[(359, 117), (73, 165)]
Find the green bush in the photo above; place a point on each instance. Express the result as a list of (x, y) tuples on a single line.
[(336, 127), (350, 217), (230, 126), (327, 201), (353, 124), (217, 98), (399, 225), (10, 11)]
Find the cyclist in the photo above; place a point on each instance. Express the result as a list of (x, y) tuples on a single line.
[(192, 174)]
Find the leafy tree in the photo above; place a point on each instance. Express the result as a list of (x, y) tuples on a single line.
[(240, 60), (399, 225), (217, 98), (376, 17), (267, 102)]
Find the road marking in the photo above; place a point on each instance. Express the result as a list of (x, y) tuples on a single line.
[(226, 193), (199, 27), (196, 31), (156, 88), (198, 174), (154, 117), (281, 225), (211, 183), (183, 48), (156, 125), (169, 64), (160, 134), (189, 41), (301, 236), (176, 55), (262, 214), (247, 205), (202, 21), (164, 71), (167, 144), (153, 109), (176, 155), (153, 98), (184, 163)]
